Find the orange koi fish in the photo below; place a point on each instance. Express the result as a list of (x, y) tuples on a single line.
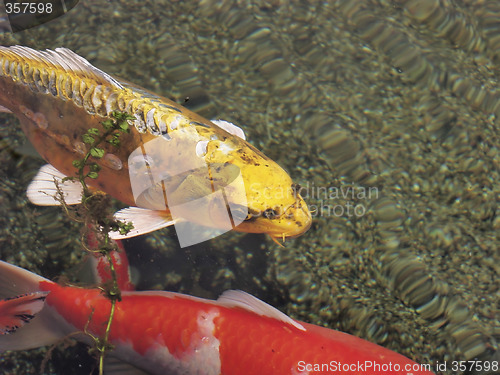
[(174, 167), (161, 333)]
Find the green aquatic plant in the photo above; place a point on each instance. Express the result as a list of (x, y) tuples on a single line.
[(95, 214), (87, 167)]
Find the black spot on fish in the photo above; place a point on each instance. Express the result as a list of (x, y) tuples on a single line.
[(248, 159)]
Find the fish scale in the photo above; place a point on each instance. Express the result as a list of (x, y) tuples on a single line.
[(97, 94)]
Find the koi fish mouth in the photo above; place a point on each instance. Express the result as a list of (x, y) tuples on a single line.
[(292, 222)]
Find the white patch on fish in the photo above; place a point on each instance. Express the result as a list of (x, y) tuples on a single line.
[(230, 128), (201, 148)]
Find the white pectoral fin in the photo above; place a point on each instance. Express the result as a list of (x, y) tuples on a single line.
[(4, 110), (230, 128), (45, 188), (243, 300), (143, 220)]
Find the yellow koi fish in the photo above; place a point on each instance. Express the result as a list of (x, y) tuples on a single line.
[(173, 167)]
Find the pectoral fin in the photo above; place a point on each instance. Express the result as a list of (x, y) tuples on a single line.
[(243, 300), (5, 110), (144, 221), (45, 188)]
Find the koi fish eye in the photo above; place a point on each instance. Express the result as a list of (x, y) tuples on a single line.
[(270, 214)]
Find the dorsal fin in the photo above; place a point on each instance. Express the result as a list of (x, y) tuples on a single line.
[(239, 298), (61, 59)]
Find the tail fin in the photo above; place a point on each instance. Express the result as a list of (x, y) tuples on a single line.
[(42, 328), (16, 312)]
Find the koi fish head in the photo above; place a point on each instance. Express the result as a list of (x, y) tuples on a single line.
[(265, 193), (280, 220), (208, 176)]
